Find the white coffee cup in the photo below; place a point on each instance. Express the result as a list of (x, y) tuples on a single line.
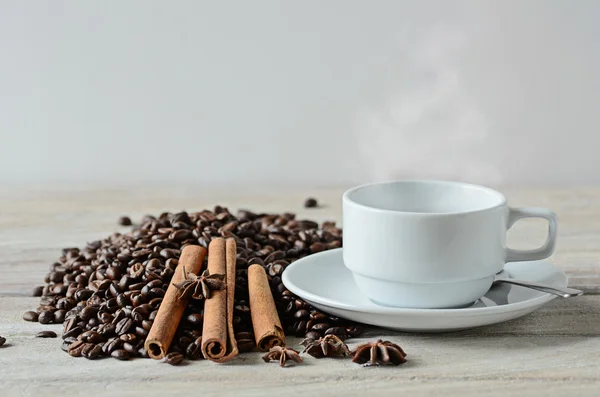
[(431, 244)]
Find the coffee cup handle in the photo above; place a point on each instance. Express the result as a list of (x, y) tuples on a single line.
[(539, 253)]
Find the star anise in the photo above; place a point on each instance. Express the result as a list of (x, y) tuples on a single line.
[(283, 354), (328, 346), (194, 286), (379, 353)]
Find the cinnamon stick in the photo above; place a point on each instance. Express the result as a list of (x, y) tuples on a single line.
[(172, 307), (218, 341), (265, 320), (230, 262)]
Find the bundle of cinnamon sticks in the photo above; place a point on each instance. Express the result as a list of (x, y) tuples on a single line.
[(218, 340)]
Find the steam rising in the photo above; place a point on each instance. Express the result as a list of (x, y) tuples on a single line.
[(429, 126)]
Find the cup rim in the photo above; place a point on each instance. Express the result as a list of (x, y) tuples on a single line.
[(501, 203)]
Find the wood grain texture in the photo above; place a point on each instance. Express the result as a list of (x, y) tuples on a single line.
[(551, 352)]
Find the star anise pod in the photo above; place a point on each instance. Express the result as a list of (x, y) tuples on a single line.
[(379, 353), (194, 286), (283, 354), (328, 346)]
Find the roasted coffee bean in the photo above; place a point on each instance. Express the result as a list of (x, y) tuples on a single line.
[(276, 255), (125, 221), (111, 345), (139, 314), (255, 261), (120, 314), (244, 335), (59, 316), (172, 263), (354, 331), (340, 332), (47, 307), (312, 335), (130, 348), (141, 332), (157, 293), (126, 280), (281, 288), (320, 327), (333, 320), (56, 276), (310, 203), (37, 291), (123, 300), (242, 308), (65, 304), (90, 337), (181, 234), (299, 304), (194, 319), (155, 303), (128, 337), (141, 254), (194, 350), (120, 354), (333, 244), (83, 294), (73, 332), (138, 300), (184, 341), (147, 324), (316, 247), (173, 358), (91, 351), (95, 300), (306, 224), (245, 345), (124, 326), (46, 334), (46, 317), (89, 312), (30, 316), (2, 340), (106, 330), (302, 314), (76, 348), (103, 285), (169, 253), (275, 269), (299, 328), (113, 273), (318, 317), (136, 286), (81, 279), (105, 317)]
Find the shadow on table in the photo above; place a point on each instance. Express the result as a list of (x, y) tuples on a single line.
[(575, 317)]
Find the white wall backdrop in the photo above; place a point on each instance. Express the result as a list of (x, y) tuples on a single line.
[(299, 92)]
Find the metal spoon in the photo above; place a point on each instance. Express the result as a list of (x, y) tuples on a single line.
[(562, 292)]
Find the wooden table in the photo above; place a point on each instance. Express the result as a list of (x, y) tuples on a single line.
[(554, 351)]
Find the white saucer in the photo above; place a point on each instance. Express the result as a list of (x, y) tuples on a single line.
[(323, 281)]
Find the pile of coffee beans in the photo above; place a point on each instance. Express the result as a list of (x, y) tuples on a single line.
[(108, 293)]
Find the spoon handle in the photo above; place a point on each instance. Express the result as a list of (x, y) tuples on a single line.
[(562, 292)]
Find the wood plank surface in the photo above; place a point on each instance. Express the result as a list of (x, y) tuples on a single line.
[(552, 351)]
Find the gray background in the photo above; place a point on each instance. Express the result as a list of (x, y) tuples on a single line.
[(287, 92)]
